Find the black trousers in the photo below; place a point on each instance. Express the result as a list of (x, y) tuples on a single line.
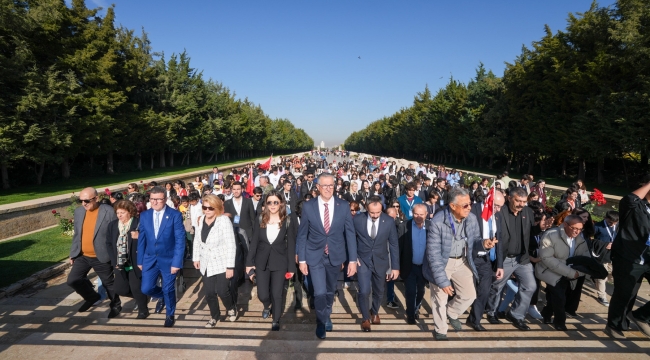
[(482, 284), (414, 290), (538, 283), (556, 302), (78, 281), (141, 299), (217, 285), (298, 280), (627, 278), (270, 285), (573, 296)]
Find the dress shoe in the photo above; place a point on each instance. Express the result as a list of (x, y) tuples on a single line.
[(328, 325), (501, 315), (493, 320), (561, 328), (114, 311), (143, 314), (169, 321), (642, 325), (615, 334), (297, 306), (320, 331), (275, 326), (603, 302), (375, 319), (519, 324), (548, 320), (438, 336), (417, 315), (477, 327), (88, 304), (160, 306), (365, 325), (410, 320), (266, 313), (455, 324)]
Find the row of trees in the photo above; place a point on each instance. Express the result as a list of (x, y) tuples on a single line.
[(75, 85), (575, 97)]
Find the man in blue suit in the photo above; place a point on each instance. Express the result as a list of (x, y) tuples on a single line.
[(161, 244), (325, 241), (375, 231)]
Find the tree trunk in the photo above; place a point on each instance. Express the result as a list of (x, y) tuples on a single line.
[(582, 169), (65, 169), (39, 173), (518, 165), (601, 167), (491, 162), (211, 156), (531, 164), (509, 162), (138, 157), (542, 166), (627, 181), (109, 163), (474, 162), (162, 158), (564, 167), (5, 175), (464, 159), (151, 160), (171, 159), (200, 157), (92, 162)]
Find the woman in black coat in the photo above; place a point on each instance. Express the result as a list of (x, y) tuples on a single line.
[(272, 254), (122, 246)]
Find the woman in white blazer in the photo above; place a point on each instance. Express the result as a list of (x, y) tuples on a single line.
[(214, 256)]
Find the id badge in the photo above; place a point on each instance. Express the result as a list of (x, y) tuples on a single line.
[(288, 210), (410, 213), (236, 219), (442, 203)]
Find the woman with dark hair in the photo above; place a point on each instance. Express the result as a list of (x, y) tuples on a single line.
[(179, 186), (169, 190), (378, 191), (539, 190), (365, 194), (484, 185), (272, 258), (344, 190), (583, 195), (122, 247), (115, 197), (571, 198)]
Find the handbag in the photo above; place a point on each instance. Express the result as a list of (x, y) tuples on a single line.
[(121, 283)]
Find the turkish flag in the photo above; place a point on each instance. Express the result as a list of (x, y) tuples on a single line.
[(250, 184), (488, 209), (267, 164)]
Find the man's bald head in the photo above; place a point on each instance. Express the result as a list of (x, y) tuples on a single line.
[(88, 198), (499, 199), (392, 212)]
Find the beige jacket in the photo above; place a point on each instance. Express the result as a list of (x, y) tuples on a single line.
[(554, 250)]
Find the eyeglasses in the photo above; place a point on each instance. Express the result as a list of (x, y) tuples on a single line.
[(466, 206), (575, 229), (257, 195), (152, 199), (273, 202), (207, 208), (326, 186), (87, 201)]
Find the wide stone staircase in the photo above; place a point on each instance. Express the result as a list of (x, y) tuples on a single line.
[(43, 323)]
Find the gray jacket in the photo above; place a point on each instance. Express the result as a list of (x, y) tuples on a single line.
[(439, 239), (554, 251), (104, 217)]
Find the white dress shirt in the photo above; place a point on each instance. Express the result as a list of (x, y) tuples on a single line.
[(321, 208), (369, 226), (237, 204), (486, 226)]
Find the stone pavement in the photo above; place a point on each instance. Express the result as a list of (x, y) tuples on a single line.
[(42, 322)]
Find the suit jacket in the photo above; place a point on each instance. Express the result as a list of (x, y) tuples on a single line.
[(247, 214), (349, 197), (278, 256), (312, 238), (212, 178), (132, 244), (293, 200), (406, 246), (477, 210), (602, 238), (422, 194), (168, 247), (105, 216), (444, 197), (305, 189), (375, 251), (505, 233)]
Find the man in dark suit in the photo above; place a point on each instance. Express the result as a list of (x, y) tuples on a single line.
[(375, 232), (515, 228), (289, 196), (89, 251), (161, 244), (442, 191), (325, 241), (213, 176), (604, 234), (307, 185), (484, 260), (242, 215), (412, 246)]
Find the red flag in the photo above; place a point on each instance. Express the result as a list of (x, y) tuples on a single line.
[(267, 164), (488, 208), (250, 184)]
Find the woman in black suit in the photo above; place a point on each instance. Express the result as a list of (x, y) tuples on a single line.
[(272, 254), (122, 246)]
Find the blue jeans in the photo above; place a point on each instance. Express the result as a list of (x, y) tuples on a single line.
[(510, 290)]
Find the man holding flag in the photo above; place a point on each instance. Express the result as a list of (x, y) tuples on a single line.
[(487, 214)]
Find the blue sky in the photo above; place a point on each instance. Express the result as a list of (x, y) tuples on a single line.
[(300, 59)]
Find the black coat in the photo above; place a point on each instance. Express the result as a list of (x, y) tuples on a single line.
[(505, 233), (406, 247), (113, 232), (247, 215), (278, 256)]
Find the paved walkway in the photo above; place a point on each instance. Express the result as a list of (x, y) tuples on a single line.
[(43, 323)]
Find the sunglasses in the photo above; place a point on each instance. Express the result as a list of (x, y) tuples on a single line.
[(86, 201), (466, 206), (207, 208), (273, 202)]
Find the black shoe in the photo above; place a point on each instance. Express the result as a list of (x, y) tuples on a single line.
[(392, 305), (160, 306), (493, 320), (88, 304), (417, 316), (438, 336), (143, 315), (548, 320), (455, 324), (519, 324), (114, 311), (571, 314), (298, 306), (320, 331), (266, 313), (501, 315), (476, 327), (170, 321), (560, 328), (410, 320), (275, 326)]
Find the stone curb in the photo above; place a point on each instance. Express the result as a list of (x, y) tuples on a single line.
[(39, 276)]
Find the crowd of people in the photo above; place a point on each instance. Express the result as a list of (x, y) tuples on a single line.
[(480, 247)]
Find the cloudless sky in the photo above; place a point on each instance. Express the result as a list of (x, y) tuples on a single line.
[(299, 60)]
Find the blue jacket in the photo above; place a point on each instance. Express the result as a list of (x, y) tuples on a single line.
[(168, 248), (405, 207), (439, 239)]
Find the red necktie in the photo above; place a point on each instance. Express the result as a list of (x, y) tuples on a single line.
[(326, 224)]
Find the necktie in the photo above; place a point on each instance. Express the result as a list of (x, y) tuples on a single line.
[(157, 223), (493, 253), (326, 224), (373, 230)]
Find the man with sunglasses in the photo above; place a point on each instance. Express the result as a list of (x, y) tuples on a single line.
[(161, 246), (89, 251), (307, 185)]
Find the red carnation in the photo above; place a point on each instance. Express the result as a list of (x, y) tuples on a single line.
[(598, 197), (53, 211), (145, 186), (140, 181), (123, 192), (70, 220), (107, 191), (288, 275)]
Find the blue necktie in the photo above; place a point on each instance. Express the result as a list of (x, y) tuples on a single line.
[(157, 224), (493, 253)]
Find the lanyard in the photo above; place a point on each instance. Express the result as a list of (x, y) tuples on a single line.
[(410, 204), (609, 232), (451, 222)]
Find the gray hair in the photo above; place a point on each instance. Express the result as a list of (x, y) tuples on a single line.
[(518, 192), (417, 206), (456, 192), (572, 219), (324, 175)]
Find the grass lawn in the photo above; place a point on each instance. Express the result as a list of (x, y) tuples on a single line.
[(24, 256), (102, 182)]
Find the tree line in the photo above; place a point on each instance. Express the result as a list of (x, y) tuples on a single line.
[(575, 97), (76, 88)]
